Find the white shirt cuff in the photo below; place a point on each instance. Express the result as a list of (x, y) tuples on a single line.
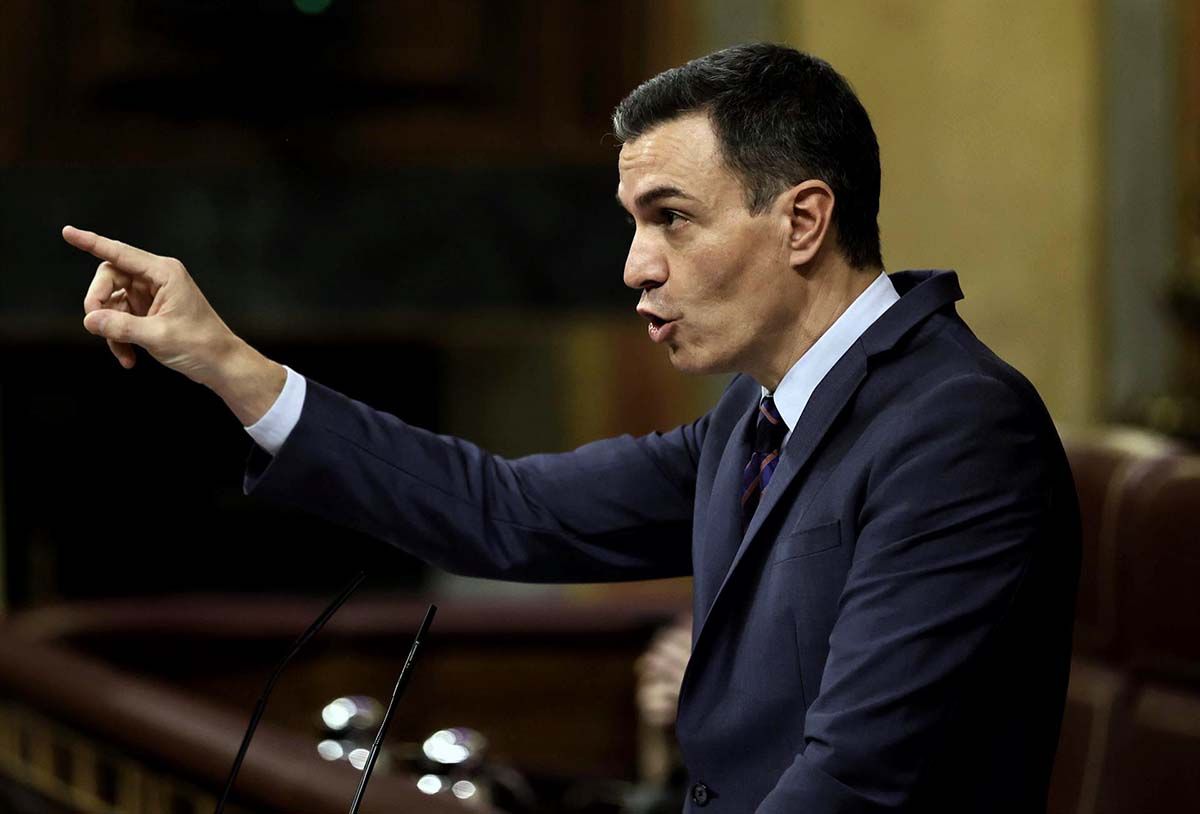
[(270, 431)]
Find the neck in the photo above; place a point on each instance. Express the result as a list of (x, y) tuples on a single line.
[(826, 297)]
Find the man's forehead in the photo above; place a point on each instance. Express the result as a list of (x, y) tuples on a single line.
[(679, 153)]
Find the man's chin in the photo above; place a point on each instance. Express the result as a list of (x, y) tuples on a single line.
[(691, 363)]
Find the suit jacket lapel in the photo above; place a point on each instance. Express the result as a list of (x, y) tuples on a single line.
[(922, 293), (723, 521), (819, 414)]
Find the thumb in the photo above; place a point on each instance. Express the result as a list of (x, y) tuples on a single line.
[(115, 325)]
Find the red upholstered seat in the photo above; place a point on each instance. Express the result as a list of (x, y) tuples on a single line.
[(1130, 741), (1094, 692), (1159, 586), (1153, 760), (1109, 466)]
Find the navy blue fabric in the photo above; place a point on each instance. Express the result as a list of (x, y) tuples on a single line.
[(892, 631)]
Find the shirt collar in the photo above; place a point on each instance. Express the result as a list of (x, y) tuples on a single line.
[(802, 378)]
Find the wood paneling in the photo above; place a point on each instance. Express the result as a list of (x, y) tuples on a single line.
[(376, 83)]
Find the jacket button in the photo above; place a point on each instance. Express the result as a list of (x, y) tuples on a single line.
[(700, 794)]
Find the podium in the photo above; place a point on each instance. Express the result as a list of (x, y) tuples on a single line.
[(139, 705)]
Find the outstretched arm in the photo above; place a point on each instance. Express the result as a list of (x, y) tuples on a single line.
[(616, 509)]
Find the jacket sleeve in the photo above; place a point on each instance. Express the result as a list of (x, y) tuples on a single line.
[(957, 512), (617, 509)]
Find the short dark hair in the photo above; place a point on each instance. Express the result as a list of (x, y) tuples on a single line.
[(780, 117)]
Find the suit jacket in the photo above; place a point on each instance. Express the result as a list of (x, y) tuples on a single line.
[(891, 632)]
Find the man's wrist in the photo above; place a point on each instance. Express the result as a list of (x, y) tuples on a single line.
[(249, 383)]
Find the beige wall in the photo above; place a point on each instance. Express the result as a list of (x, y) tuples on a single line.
[(989, 121)]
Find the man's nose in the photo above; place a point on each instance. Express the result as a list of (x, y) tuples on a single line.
[(644, 267)]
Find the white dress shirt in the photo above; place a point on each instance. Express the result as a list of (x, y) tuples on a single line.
[(802, 378), (270, 431), (792, 394)]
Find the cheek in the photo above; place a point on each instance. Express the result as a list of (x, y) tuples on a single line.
[(725, 316), (716, 277), (735, 288), (715, 311), (763, 272), (727, 280)]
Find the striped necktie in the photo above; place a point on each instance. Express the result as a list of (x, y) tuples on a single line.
[(768, 438)]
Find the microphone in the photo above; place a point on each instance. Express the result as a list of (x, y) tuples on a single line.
[(313, 629), (261, 706), (401, 683)]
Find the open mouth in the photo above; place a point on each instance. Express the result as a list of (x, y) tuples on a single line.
[(660, 329)]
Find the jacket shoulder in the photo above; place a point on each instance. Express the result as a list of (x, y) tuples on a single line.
[(946, 349)]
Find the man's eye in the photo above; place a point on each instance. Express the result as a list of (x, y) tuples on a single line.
[(670, 217), (629, 219)]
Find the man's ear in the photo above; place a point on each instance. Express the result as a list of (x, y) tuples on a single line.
[(810, 206)]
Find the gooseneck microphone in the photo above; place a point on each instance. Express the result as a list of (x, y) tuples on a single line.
[(261, 706), (401, 683), (313, 629)]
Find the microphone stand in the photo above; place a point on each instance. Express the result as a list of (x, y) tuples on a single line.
[(401, 683), (313, 629), (261, 706)]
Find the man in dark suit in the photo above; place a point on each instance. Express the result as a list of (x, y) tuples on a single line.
[(878, 515)]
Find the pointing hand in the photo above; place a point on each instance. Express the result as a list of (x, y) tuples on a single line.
[(139, 298)]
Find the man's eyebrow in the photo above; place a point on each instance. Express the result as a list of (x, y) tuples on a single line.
[(656, 194)]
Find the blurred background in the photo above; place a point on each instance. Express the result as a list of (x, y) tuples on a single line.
[(412, 202)]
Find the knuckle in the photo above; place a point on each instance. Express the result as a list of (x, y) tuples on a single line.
[(174, 265), (104, 271), (155, 334)]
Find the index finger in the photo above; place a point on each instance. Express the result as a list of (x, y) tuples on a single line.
[(125, 257)]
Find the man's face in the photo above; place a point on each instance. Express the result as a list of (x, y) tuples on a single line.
[(711, 274)]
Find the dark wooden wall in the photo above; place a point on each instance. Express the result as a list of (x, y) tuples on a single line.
[(366, 82), (342, 185)]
